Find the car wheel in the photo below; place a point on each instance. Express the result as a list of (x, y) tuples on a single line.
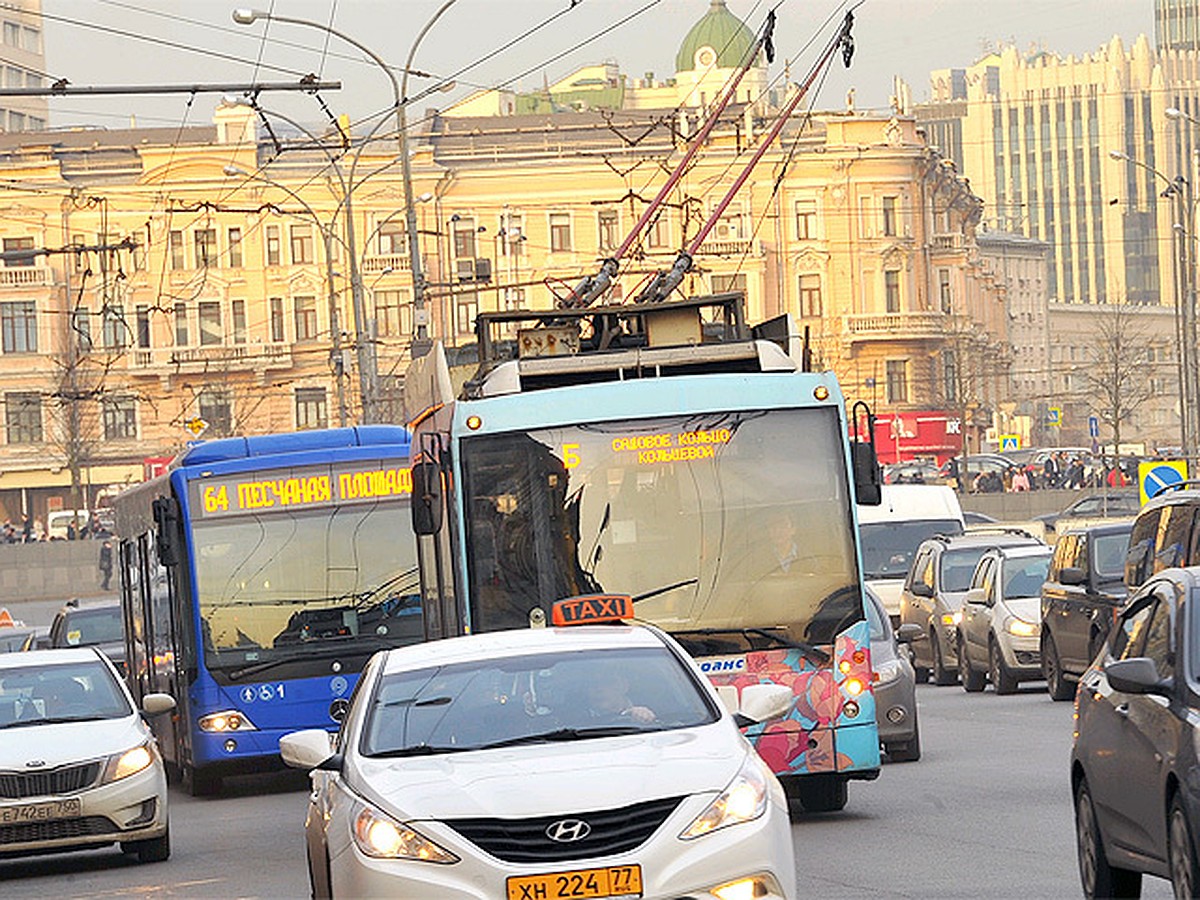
[(1182, 852), (153, 850), (941, 675), (1098, 878), (1052, 670), (819, 793), (906, 751), (972, 681), (1002, 680), (200, 783)]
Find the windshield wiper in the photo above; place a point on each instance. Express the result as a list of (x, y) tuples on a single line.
[(309, 653), (662, 590), (53, 720), (816, 654), (565, 734), (417, 750)]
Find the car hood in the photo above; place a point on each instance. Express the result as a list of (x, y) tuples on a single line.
[(541, 779), (1027, 608), (68, 742)]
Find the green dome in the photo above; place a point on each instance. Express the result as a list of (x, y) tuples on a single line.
[(721, 30)]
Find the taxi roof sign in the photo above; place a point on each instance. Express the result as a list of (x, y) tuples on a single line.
[(6, 619), (592, 609)]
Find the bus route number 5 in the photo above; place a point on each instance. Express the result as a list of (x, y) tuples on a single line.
[(571, 456), (216, 499)]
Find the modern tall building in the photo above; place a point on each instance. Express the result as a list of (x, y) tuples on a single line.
[(23, 65), (1177, 24)]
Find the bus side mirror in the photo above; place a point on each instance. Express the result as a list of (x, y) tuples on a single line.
[(426, 498), (166, 518), (867, 482)]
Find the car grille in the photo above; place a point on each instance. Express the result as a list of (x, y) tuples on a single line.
[(55, 830), (525, 840), (65, 780)]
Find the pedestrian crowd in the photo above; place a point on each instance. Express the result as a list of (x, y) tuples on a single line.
[(31, 531), (1060, 470)]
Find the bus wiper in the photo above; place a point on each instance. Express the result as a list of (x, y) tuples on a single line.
[(665, 589), (308, 653), (566, 734), (816, 654)]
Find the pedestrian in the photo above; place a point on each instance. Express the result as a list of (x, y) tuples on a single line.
[(1020, 481), (106, 563), (1050, 471), (1116, 478), (26, 529)]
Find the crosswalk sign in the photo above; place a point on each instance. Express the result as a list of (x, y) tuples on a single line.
[(1010, 442), (1157, 475), (1054, 415)]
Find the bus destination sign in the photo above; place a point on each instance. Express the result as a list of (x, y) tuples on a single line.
[(311, 486)]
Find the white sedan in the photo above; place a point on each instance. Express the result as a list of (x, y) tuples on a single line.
[(581, 762), (78, 765)]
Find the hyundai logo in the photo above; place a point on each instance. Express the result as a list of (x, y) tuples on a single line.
[(567, 830)]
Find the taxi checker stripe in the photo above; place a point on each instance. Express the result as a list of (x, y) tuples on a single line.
[(567, 830)]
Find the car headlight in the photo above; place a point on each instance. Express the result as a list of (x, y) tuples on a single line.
[(888, 671), (379, 835), (122, 765), (226, 720), (1021, 628), (952, 620), (744, 800)]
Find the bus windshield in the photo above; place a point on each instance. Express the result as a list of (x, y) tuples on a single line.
[(280, 583), (728, 520)]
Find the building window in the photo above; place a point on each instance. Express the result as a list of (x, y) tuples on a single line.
[(897, 381), (120, 418), (810, 296), (302, 245), (658, 233), (18, 323), (23, 416), (31, 40), (608, 223), (143, 327), (560, 232), (891, 290), (889, 217), (210, 324), (181, 325), (216, 408), (81, 324), (468, 310), (272, 245), (392, 237), (806, 220), (310, 408), (206, 247), (464, 238), (944, 290), (276, 304), (514, 235), (950, 376), (22, 248), (393, 313), (237, 312), (724, 284), (235, 248), (175, 244), (12, 34), (306, 318), (116, 330)]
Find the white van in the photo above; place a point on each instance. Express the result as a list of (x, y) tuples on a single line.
[(891, 532), (60, 520)]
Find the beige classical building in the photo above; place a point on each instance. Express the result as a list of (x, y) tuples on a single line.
[(22, 64)]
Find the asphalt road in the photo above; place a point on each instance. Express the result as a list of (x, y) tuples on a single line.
[(985, 813)]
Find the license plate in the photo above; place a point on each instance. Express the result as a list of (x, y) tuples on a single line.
[(39, 812), (612, 881)]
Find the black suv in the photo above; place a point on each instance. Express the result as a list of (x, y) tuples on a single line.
[(91, 625), (933, 593), (1080, 598), (1134, 765), (1165, 534)]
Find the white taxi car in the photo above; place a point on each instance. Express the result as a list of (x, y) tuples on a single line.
[(590, 761), (78, 766)]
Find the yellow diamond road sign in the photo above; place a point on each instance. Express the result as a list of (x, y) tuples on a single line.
[(196, 426)]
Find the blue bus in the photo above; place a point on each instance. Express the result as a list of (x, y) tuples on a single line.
[(668, 452), (257, 577)]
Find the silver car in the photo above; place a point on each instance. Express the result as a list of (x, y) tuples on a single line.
[(1000, 635), (895, 684)]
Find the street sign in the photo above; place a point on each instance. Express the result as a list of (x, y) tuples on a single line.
[(196, 426), (1010, 442), (1054, 415), (1094, 426), (1158, 474)]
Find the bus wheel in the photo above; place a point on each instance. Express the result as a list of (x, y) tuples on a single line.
[(200, 783), (820, 793)]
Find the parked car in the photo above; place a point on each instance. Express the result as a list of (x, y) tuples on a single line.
[(96, 624), (931, 596), (1165, 534), (1001, 619), (13, 632), (895, 685), (913, 472), (60, 522), (511, 763), (80, 766), (1081, 596), (971, 517), (1107, 505), (1134, 766)]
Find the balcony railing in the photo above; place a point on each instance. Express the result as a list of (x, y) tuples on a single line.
[(241, 356), (24, 276), (397, 262), (896, 325), (953, 241), (745, 247)]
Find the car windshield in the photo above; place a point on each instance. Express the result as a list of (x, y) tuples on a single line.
[(85, 627), (530, 699), (63, 692), (1024, 575), (888, 547), (1108, 554), (957, 568)]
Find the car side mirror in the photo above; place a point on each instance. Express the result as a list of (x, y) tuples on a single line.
[(1136, 676), (310, 749), (427, 498), (157, 704), (1072, 575), (921, 589), (974, 595), (908, 632)]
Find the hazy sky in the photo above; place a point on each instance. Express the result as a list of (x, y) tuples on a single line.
[(144, 42)]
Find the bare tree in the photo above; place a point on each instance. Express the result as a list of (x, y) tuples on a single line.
[(1117, 379)]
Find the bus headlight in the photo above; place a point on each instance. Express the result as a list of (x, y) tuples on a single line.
[(379, 835), (1021, 628), (226, 720), (122, 765), (744, 800)]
